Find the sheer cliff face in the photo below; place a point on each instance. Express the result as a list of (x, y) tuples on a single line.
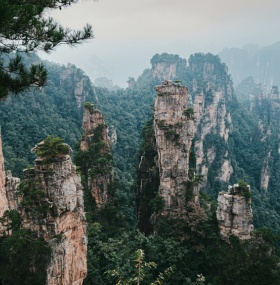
[(234, 214), (213, 125), (76, 83), (266, 107), (3, 198), (11, 186), (173, 133), (164, 70), (63, 225), (95, 131)]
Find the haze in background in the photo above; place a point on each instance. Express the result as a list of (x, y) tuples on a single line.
[(129, 32)]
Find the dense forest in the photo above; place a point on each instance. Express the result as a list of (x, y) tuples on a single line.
[(185, 248)]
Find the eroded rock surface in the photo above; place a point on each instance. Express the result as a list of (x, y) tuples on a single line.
[(164, 70), (3, 198), (11, 186), (63, 225), (95, 131), (174, 131), (76, 83), (234, 214)]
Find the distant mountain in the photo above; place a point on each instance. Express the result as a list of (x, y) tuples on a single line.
[(261, 63)]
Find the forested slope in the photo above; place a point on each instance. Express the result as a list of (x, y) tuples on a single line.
[(229, 143)]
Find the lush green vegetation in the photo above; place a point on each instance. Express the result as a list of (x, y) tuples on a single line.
[(188, 241), (51, 147), (23, 255)]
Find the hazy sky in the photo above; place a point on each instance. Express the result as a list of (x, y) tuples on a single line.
[(129, 32)]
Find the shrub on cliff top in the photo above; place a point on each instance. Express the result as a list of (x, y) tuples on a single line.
[(51, 147)]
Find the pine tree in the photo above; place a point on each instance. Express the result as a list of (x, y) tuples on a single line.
[(25, 29)]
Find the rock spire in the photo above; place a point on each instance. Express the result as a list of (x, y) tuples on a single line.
[(3, 197), (62, 223), (174, 131), (95, 141), (234, 212)]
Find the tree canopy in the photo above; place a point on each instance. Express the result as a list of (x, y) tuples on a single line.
[(24, 28)]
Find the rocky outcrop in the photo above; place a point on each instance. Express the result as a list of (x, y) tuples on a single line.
[(51, 207), (234, 212), (266, 107), (75, 82), (95, 131), (58, 217), (174, 131), (213, 121), (3, 197), (166, 66), (112, 135), (11, 186), (164, 70)]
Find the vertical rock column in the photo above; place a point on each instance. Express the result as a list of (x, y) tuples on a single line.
[(3, 197), (234, 212), (95, 131), (64, 224), (174, 131)]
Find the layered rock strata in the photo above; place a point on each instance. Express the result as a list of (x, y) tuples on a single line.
[(63, 224), (234, 213), (95, 131), (174, 131)]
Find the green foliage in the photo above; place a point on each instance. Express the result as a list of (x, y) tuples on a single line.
[(29, 118), (157, 204), (23, 28), (51, 147), (34, 200), (147, 181), (242, 189), (23, 259), (167, 58), (172, 135), (197, 249), (11, 220), (141, 267), (189, 113), (96, 160), (267, 235), (90, 106)]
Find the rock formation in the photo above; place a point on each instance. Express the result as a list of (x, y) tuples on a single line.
[(58, 217), (266, 107), (213, 120), (148, 182), (11, 186), (51, 206), (76, 83), (3, 197), (234, 212), (164, 70), (174, 131), (95, 134), (165, 66), (112, 135)]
